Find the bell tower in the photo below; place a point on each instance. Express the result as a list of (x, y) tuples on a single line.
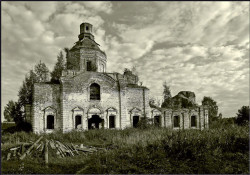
[(85, 55), (85, 31)]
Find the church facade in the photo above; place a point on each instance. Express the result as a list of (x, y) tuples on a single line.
[(89, 97)]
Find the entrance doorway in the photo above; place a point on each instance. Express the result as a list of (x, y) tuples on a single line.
[(157, 121), (95, 122), (135, 121), (78, 121)]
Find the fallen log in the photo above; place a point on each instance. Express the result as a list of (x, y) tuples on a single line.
[(27, 152)]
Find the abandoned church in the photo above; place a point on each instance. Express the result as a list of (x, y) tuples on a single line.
[(89, 97)]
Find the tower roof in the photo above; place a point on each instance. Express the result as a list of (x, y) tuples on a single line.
[(86, 31)]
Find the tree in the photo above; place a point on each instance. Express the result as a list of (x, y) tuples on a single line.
[(212, 107), (135, 72), (166, 91), (166, 96), (42, 72), (242, 115), (26, 90), (66, 50), (58, 68), (12, 111)]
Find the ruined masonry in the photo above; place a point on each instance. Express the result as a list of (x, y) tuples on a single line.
[(89, 97)]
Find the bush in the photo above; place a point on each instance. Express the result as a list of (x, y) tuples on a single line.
[(145, 123), (21, 126)]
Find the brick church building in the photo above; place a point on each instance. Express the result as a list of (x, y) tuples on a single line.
[(89, 97)]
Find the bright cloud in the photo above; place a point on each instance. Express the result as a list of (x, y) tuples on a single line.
[(197, 46)]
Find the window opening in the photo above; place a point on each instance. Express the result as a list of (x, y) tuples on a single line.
[(112, 121), (176, 121), (50, 122), (94, 92)]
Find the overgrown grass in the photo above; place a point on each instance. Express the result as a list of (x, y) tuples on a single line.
[(6, 125), (154, 150)]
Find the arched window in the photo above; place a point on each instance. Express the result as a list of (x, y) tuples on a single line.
[(157, 121), (176, 121), (193, 121), (135, 121), (94, 92), (102, 67), (111, 121), (88, 65), (78, 121), (50, 122)]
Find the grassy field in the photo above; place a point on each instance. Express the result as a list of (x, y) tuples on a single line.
[(220, 150)]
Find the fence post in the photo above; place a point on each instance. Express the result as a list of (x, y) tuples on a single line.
[(46, 153)]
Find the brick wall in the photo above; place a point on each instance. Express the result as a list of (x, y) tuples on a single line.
[(44, 96)]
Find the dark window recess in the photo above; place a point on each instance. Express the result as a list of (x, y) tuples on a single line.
[(87, 27), (78, 120), (95, 121), (112, 121), (176, 121), (50, 122), (135, 121), (95, 92), (193, 121), (88, 65), (157, 121)]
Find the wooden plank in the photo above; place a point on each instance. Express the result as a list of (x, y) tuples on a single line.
[(41, 148), (85, 150), (30, 148), (52, 145), (8, 156), (69, 150), (74, 148), (60, 151), (13, 149), (22, 148), (14, 153), (46, 153), (38, 146)]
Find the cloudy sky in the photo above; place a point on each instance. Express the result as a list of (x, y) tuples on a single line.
[(195, 46)]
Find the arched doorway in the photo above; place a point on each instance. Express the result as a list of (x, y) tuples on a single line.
[(78, 121), (95, 122)]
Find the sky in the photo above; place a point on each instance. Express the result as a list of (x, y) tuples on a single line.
[(201, 47)]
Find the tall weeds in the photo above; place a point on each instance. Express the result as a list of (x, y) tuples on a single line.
[(151, 150)]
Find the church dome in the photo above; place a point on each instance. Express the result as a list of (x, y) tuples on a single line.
[(86, 55)]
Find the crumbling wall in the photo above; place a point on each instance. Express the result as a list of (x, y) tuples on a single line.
[(45, 95)]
